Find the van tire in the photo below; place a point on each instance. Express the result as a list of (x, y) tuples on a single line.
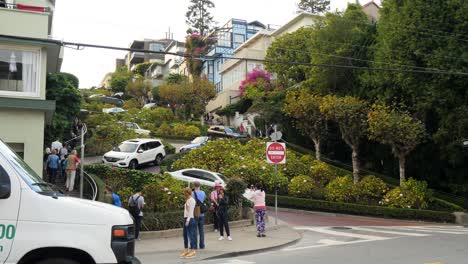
[(133, 165), (58, 261), (158, 160)]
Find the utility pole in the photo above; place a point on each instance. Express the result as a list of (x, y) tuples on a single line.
[(82, 162)]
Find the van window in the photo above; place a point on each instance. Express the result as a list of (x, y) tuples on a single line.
[(4, 178), (28, 175)]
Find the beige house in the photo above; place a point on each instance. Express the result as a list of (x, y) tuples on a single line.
[(372, 10), (24, 64)]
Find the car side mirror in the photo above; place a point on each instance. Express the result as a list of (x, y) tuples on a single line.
[(5, 191), (140, 151)]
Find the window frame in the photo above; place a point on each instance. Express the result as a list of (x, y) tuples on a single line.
[(38, 51)]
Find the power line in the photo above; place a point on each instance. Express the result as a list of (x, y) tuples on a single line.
[(204, 58)]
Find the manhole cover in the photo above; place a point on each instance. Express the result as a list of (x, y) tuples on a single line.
[(341, 228)]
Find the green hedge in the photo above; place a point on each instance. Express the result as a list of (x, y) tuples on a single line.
[(356, 209)]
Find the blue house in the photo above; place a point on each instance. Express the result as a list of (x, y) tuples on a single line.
[(233, 34)]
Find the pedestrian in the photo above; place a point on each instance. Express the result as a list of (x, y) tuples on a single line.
[(63, 152), (190, 227), (72, 163), (44, 160), (257, 196), (115, 198), (214, 205), (200, 197), (223, 215), (136, 203), (53, 165), (57, 145)]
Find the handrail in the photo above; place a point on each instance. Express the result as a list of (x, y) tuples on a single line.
[(93, 184)]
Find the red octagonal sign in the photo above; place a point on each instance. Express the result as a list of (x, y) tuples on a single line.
[(276, 153)]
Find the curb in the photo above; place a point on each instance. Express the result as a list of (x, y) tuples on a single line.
[(254, 251), (179, 231)]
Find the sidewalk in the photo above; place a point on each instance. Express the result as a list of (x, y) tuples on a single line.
[(167, 250)]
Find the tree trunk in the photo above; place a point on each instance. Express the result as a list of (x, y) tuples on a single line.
[(402, 161), (317, 149), (355, 158)]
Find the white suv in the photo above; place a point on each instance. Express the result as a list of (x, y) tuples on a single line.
[(134, 152)]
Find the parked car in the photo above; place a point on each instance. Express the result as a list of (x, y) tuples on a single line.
[(223, 132), (150, 105), (113, 110), (207, 178), (118, 95), (135, 127), (112, 100), (196, 143), (95, 96), (134, 152)]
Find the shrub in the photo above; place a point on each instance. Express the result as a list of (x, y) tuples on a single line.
[(358, 209), (301, 186), (295, 166), (235, 189), (164, 129), (370, 190), (170, 159), (340, 189), (411, 194), (165, 195), (168, 147), (322, 173), (192, 131)]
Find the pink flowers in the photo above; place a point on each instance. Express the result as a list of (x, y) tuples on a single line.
[(257, 77)]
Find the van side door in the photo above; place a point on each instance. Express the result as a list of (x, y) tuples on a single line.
[(10, 193)]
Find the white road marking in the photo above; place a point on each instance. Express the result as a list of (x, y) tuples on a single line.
[(423, 230), (325, 230), (389, 232), (325, 245), (462, 230)]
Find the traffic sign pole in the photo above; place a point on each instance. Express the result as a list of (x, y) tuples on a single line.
[(276, 188), (276, 154)]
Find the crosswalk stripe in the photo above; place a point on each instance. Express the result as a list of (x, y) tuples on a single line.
[(325, 245), (390, 232), (336, 233), (424, 230), (443, 229)]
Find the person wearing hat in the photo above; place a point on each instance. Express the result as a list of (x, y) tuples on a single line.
[(200, 197), (214, 204)]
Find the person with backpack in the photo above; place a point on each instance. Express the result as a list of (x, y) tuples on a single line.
[(114, 198), (53, 165), (136, 203), (200, 197)]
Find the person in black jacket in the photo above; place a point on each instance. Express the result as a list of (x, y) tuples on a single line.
[(222, 213)]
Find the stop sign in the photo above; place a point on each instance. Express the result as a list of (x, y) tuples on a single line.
[(276, 153)]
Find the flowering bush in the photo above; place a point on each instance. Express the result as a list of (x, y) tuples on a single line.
[(411, 194), (165, 195), (304, 187), (295, 166), (370, 190), (257, 83), (340, 189), (322, 173)]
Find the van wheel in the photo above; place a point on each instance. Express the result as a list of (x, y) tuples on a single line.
[(133, 165), (158, 160), (57, 261)]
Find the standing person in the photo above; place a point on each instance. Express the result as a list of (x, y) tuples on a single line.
[(200, 197), (63, 152), (214, 205), (190, 227), (223, 215), (115, 197), (136, 203), (53, 165), (57, 145), (72, 163), (257, 196), (44, 160)]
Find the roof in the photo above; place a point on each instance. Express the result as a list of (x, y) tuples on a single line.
[(371, 3), (257, 23), (141, 140), (293, 21)]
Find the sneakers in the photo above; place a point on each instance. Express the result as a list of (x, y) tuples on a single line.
[(192, 254), (259, 235), (216, 230), (184, 254), (263, 235), (229, 238), (221, 238)]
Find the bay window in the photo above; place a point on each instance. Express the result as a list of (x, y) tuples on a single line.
[(19, 71)]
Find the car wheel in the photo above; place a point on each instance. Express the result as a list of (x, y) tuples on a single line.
[(133, 165), (57, 261), (158, 160)]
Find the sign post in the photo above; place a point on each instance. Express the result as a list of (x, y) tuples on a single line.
[(276, 154)]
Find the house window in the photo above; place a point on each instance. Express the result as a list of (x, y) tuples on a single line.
[(239, 38), (156, 47), (19, 71)]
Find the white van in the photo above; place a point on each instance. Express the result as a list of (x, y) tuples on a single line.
[(38, 225)]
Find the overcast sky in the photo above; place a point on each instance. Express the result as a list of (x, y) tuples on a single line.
[(119, 22)]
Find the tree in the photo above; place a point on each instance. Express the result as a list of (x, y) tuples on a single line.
[(141, 89), (60, 88), (173, 94), (199, 93), (314, 6), (196, 46), (397, 129), (304, 107), (199, 18), (351, 115), (120, 79), (141, 68), (174, 78)]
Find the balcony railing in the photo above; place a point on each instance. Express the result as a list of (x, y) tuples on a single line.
[(39, 9)]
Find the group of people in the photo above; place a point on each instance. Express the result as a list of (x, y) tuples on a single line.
[(60, 162)]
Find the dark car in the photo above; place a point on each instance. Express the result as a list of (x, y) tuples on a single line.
[(112, 100)]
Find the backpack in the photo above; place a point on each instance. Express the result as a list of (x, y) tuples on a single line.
[(133, 207), (202, 205)]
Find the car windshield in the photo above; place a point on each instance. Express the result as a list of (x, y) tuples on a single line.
[(229, 130), (222, 177), (28, 175), (199, 140), (127, 147)]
